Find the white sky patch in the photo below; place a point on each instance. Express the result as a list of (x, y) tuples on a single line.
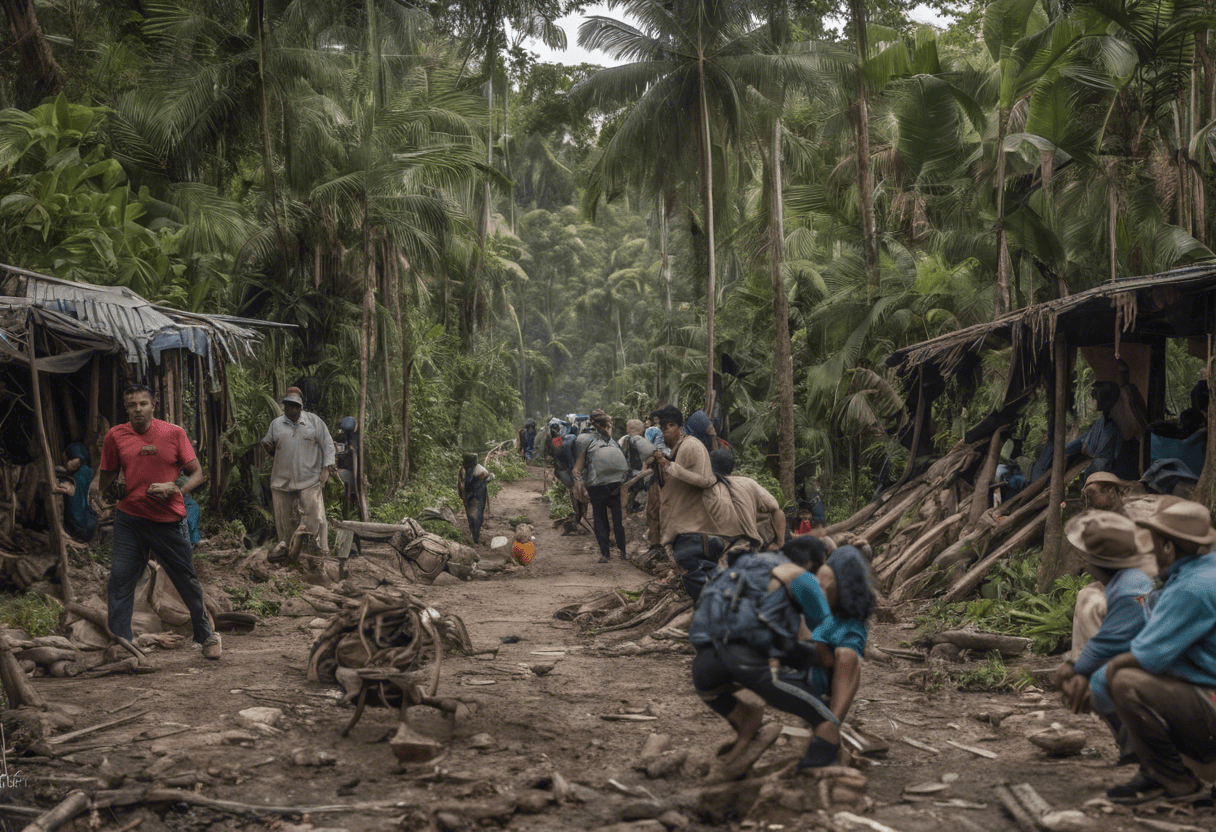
[(575, 54)]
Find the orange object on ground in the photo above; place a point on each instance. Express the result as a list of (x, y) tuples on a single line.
[(523, 552)]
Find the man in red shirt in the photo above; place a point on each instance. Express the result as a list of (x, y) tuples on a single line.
[(151, 517)]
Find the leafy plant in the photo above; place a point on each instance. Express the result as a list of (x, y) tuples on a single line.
[(1009, 604), (255, 599), (993, 675), (32, 612)]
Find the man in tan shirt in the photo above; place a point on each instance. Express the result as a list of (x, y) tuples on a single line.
[(697, 515), (756, 508)]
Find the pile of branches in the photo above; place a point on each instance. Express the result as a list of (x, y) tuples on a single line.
[(657, 605), (931, 532), (390, 634)]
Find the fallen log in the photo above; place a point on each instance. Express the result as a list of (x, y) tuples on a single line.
[(71, 735), (67, 809), (1024, 537), (132, 797), (17, 688), (895, 514), (1009, 646)]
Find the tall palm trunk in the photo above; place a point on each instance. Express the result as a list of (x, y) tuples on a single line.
[(707, 178), (365, 354), (407, 378), (783, 359), (861, 129), (40, 75), (257, 15), (1004, 266)]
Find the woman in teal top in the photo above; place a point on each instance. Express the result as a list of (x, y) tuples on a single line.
[(79, 519)]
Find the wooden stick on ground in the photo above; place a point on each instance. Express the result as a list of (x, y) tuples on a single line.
[(98, 620), (131, 797), (17, 687), (68, 808), (71, 735)]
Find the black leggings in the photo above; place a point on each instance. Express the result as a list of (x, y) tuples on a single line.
[(717, 672), (605, 498)]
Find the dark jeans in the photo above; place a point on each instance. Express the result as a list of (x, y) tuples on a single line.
[(1166, 717), (718, 672), (606, 498), (475, 511), (697, 555), (134, 539)]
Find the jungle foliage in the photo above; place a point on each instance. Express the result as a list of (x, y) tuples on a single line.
[(463, 235)]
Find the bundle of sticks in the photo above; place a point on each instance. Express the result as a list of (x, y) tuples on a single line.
[(656, 605), (934, 537), (391, 633)]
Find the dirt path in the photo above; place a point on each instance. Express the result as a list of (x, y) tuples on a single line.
[(537, 724)]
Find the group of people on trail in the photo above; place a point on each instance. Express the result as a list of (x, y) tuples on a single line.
[(782, 615), (1144, 660)]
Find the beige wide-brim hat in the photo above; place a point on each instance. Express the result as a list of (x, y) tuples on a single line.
[(1105, 477), (1183, 520), (1109, 540)]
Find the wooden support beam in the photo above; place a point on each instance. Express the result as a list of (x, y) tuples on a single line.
[(53, 503), (1052, 564)]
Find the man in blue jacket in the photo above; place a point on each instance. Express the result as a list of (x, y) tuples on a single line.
[(1164, 688)]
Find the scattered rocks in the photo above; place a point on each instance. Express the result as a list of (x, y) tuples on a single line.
[(654, 746), (312, 757), (533, 801), (1059, 741), (1068, 820), (272, 717), (642, 810), (481, 741), (445, 579), (411, 747), (429, 722), (673, 819), (945, 653)]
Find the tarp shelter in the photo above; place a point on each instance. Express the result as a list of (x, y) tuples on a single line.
[(1130, 319), (88, 343)]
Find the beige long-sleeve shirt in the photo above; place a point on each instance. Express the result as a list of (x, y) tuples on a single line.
[(754, 506), (692, 501)]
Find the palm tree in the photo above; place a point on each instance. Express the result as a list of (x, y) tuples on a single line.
[(691, 62)]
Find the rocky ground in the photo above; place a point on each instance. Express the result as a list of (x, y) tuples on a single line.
[(553, 736)]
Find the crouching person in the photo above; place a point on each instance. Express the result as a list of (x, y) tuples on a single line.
[(1164, 687), (1118, 555), (791, 629)]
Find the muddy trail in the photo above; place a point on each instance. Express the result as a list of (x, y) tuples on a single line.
[(552, 739)]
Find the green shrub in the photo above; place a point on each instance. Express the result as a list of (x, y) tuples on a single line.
[(1010, 604), (32, 612), (993, 676), (254, 598)]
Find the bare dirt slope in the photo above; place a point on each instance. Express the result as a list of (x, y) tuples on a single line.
[(536, 725)]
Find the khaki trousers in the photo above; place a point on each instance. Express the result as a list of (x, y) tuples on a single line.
[(1088, 617), (306, 507), (653, 534)]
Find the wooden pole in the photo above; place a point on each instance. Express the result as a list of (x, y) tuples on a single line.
[(1205, 489), (94, 426), (983, 481), (1052, 565), (917, 426), (54, 509)]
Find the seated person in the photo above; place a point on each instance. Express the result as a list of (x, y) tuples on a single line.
[(813, 673), (1162, 688), (75, 476), (1102, 441), (1116, 552)]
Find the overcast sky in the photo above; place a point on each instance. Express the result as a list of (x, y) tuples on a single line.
[(575, 54)]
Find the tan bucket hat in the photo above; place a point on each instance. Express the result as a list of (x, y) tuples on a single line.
[(294, 396), (1183, 520), (1105, 477), (1108, 539)]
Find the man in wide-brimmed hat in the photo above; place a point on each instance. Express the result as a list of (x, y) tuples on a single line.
[(1164, 687), (1116, 552)]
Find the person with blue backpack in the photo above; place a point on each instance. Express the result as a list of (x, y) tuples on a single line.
[(790, 627)]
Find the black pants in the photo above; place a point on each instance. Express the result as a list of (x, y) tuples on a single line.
[(606, 498), (697, 555), (718, 672), (134, 538)]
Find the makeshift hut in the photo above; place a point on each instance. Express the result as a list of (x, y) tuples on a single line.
[(938, 530), (67, 350)]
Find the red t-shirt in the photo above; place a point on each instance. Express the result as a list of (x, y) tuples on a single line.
[(173, 451)]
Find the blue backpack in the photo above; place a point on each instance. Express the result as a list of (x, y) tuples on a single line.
[(737, 607)]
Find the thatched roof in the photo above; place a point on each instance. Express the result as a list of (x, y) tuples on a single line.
[(114, 319), (1175, 304)]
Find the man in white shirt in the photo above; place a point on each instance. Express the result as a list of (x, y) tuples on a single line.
[(303, 454)]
